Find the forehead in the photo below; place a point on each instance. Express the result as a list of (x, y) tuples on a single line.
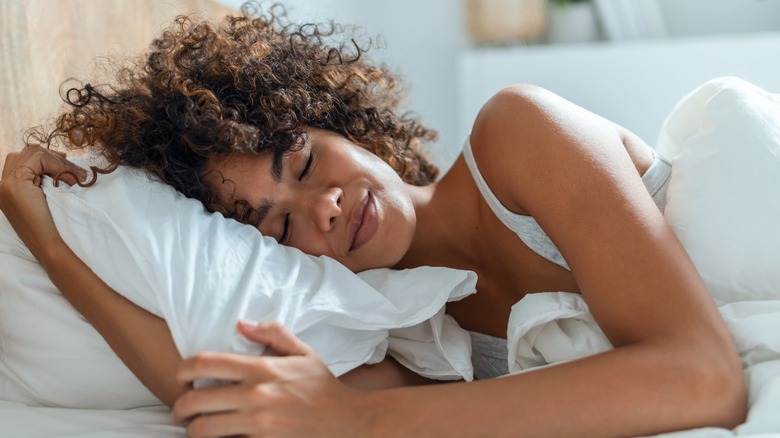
[(241, 176)]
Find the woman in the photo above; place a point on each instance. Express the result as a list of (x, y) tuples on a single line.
[(272, 126)]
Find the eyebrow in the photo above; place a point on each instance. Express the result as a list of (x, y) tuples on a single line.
[(277, 170), (263, 210)]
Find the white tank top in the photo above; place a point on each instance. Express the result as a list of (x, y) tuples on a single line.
[(656, 179)]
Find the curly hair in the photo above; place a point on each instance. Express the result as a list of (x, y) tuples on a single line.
[(252, 84)]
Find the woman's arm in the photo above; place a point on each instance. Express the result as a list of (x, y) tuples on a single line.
[(674, 366), (140, 339)]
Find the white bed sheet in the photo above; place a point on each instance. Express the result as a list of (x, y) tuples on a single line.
[(18, 420)]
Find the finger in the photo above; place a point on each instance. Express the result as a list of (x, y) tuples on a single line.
[(73, 167), (40, 160), (32, 161), (56, 166), (223, 366), (9, 164), (228, 424), (72, 175), (68, 166), (275, 336), (68, 177), (31, 147), (211, 400), (79, 173)]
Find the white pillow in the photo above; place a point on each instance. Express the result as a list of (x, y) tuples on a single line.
[(724, 193), (202, 272), (49, 354)]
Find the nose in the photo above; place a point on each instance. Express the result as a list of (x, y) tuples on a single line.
[(326, 207)]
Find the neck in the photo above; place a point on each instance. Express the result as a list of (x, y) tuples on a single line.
[(444, 222)]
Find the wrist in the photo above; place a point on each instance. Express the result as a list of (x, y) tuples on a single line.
[(51, 252)]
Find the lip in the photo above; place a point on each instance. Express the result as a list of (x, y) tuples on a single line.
[(364, 222)]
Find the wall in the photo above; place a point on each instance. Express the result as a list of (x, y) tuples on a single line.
[(704, 17), (634, 84)]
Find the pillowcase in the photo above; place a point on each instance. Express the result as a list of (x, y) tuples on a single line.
[(202, 272), (49, 354), (724, 193)]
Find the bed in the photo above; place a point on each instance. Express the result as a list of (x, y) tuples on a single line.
[(543, 321)]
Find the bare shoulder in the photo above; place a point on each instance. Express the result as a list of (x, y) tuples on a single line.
[(526, 136)]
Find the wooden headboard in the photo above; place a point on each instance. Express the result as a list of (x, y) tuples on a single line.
[(45, 42)]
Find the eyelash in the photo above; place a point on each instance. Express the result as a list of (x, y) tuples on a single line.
[(286, 228), (307, 167)]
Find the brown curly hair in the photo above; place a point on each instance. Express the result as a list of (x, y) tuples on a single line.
[(251, 84)]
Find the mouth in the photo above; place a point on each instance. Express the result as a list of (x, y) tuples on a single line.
[(364, 222)]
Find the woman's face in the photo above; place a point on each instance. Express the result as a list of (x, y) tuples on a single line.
[(329, 198)]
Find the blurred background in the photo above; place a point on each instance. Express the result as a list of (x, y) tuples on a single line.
[(629, 60)]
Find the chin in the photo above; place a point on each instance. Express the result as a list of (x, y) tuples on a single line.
[(376, 256), (362, 266)]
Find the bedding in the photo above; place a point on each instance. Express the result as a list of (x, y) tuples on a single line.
[(724, 199), (548, 328), (202, 273)]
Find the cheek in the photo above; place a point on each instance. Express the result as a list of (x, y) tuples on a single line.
[(305, 246), (401, 217), (265, 230), (399, 224), (312, 244)]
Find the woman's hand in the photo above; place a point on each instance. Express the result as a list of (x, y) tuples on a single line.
[(291, 395), (22, 200)]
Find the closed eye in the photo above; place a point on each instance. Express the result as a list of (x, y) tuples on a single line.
[(286, 229), (307, 167)]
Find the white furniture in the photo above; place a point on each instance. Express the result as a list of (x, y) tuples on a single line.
[(635, 84)]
